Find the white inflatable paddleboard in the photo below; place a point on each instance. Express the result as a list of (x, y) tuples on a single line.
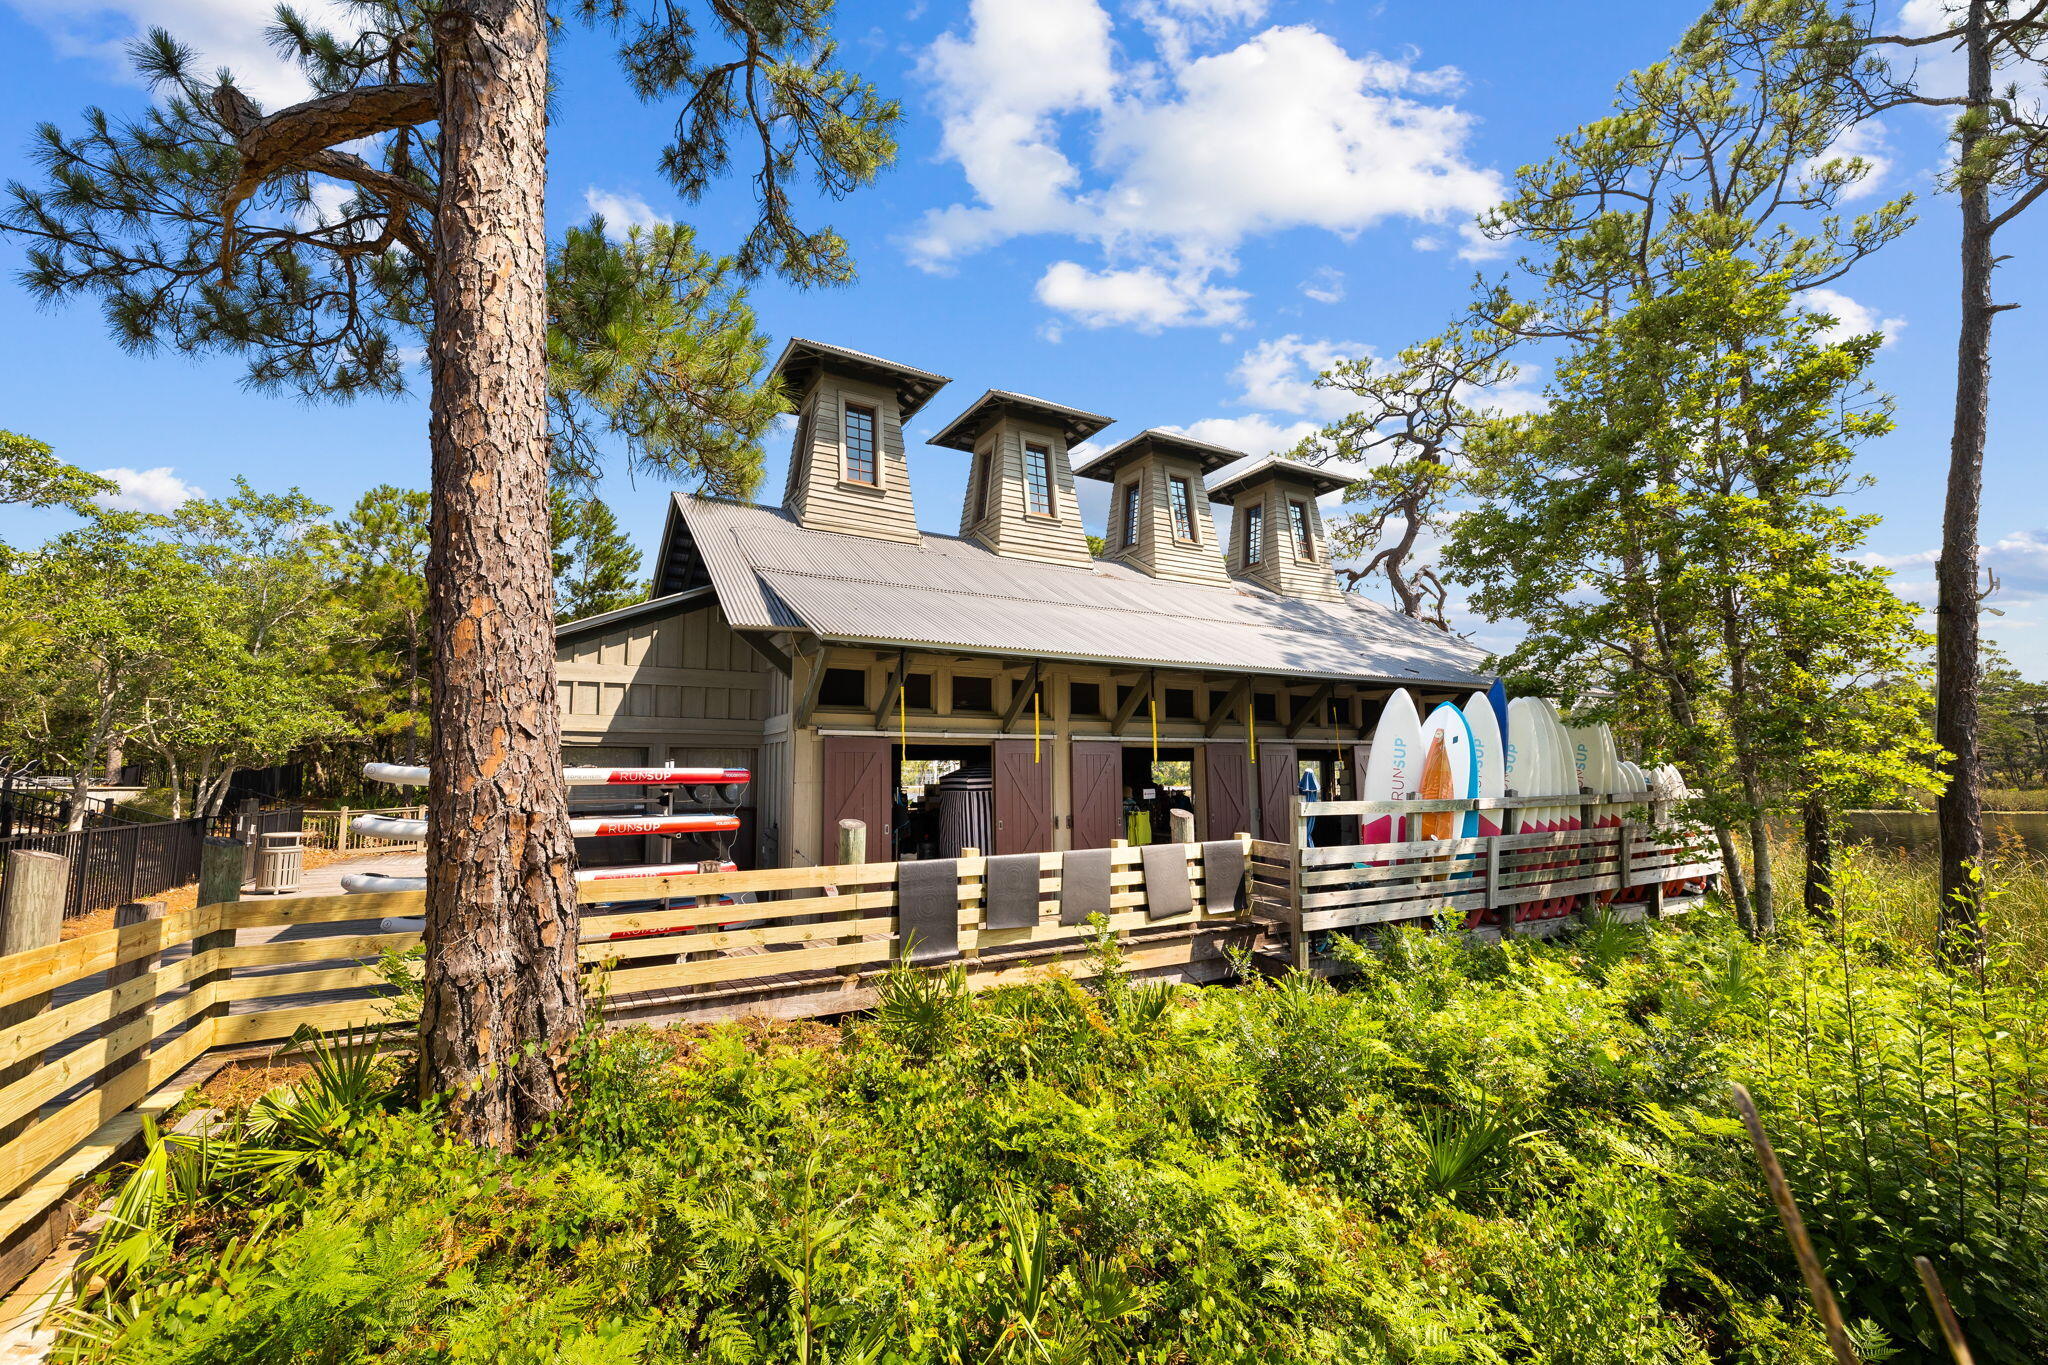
[(404, 775), (1448, 723), (580, 827)]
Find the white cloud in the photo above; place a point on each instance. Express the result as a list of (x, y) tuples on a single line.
[(1177, 159), (1865, 141), (1145, 298), (146, 490), (329, 197), (1326, 285), (1253, 434), (226, 33), (621, 210), (1279, 376), (1852, 319)]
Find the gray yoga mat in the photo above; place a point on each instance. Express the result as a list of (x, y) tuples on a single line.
[(1010, 891), (928, 909), (1167, 891), (1222, 875), (1084, 885)]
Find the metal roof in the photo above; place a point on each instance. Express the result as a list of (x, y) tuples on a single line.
[(1072, 423), (632, 611), (1273, 466), (1106, 465), (800, 356), (949, 593)]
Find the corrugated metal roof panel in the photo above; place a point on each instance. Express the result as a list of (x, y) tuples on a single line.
[(772, 574)]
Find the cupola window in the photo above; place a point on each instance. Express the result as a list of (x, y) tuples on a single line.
[(860, 444), (1183, 500), (1304, 542), (1130, 515), (1038, 480), (1254, 533)]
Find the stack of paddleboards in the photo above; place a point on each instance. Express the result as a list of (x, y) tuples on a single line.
[(712, 787), (1491, 747)]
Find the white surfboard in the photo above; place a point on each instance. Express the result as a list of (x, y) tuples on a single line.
[(413, 775), (1491, 756), (1448, 723), (1393, 766), (1522, 761)]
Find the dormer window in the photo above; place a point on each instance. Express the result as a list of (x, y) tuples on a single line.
[(1130, 518), (1254, 533), (860, 445), (1038, 480), (978, 503), (1304, 541), (1183, 500)]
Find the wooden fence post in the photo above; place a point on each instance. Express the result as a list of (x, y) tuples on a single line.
[(1506, 912), (220, 883), (972, 905), (1297, 841), (133, 912), (853, 842), (31, 917), (1183, 825)]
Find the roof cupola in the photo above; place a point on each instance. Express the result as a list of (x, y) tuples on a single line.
[(1276, 533), (1158, 511), (1020, 488), (847, 472)]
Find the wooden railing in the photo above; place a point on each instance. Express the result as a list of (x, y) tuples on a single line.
[(329, 829), (100, 1030), (1626, 853)]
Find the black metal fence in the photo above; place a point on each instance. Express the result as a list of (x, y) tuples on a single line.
[(111, 864)]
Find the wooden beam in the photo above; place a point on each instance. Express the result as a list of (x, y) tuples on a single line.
[(1239, 695), (1299, 716), (816, 681), (1130, 704), (893, 686), (775, 658), (1020, 697)]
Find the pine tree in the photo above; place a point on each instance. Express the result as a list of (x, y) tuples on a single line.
[(197, 228), (596, 567)]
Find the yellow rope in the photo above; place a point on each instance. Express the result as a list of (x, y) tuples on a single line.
[(1251, 726), (902, 718), (1034, 725), (1154, 700)]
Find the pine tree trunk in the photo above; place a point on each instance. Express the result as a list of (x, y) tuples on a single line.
[(1959, 814), (1736, 883), (1819, 834), (502, 997)]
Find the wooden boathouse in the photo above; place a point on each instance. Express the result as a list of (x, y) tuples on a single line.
[(827, 642)]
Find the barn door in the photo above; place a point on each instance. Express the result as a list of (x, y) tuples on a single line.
[(1023, 798), (856, 783), (1226, 791), (1097, 776), (1278, 777)]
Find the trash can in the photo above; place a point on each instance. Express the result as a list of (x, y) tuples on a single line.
[(281, 862)]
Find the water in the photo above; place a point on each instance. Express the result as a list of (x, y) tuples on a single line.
[(1913, 830)]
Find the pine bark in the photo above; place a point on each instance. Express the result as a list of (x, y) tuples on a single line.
[(502, 998), (1818, 832), (1959, 810)]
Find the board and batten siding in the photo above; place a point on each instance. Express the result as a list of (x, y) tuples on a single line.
[(819, 495), (679, 680), (1007, 525)]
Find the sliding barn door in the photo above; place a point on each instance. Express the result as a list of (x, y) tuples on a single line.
[(1097, 786), (1278, 778), (1023, 798), (1226, 790), (856, 781)]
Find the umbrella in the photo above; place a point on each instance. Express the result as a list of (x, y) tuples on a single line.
[(1309, 790)]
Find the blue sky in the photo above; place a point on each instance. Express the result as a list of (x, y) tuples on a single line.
[(1168, 211)]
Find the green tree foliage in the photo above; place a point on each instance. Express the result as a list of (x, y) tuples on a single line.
[(31, 474), (1670, 532), (383, 662), (596, 567), (2015, 725)]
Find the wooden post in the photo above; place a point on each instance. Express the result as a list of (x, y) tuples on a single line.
[(220, 883), (971, 907), (341, 832), (1582, 861), (853, 842), (134, 912), (31, 917), (1297, 839), (1506, 912), (1182, 823), (1626, 854)]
